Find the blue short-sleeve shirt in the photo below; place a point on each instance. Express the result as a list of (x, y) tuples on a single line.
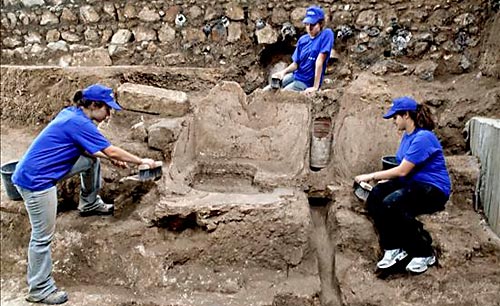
[(307, 52), (55, 150), (422, 148)]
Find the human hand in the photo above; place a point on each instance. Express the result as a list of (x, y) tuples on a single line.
[(310, 90), (363, 178), (279, 75), (148, 162)]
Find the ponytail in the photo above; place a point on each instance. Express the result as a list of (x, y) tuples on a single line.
[(423, 117), (80, 101)]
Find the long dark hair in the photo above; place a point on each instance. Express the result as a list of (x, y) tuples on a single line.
[(78, 100), (423, 117)]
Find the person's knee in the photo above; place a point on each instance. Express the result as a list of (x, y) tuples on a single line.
[(392, 200), (293, 87), (42, 240)]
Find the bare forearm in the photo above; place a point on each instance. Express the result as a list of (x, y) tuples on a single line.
[(318, 69), (117, 153), (291, 68), (400, 171), (388, 174)]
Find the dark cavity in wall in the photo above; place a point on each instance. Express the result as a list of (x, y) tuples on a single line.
[(280, 51), (177, 223)]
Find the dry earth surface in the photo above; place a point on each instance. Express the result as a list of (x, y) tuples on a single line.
[(127, 260)]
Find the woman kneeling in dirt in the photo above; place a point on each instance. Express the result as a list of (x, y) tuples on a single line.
[(420, 184), (70, 144)]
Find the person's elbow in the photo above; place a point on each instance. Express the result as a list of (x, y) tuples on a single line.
[(111, 152), (402, 170)]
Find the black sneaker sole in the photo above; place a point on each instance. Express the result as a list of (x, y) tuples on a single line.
[(96, 213)]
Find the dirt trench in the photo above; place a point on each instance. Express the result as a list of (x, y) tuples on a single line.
[(322, 252)]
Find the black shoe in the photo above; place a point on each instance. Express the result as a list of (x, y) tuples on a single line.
[(55, 298), (103, 210)]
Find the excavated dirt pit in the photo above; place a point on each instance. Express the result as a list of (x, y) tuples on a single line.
[(238, 217), (217, 178)]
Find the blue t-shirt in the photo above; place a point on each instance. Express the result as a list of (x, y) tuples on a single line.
[(307, 52), (54, 152), (423, 149)]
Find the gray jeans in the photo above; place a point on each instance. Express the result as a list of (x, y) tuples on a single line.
[(42, 209), (290, 84)]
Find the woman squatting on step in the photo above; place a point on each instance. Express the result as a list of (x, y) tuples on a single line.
[(420, 184)]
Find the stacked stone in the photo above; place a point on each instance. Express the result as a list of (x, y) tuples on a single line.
[(173, 32)]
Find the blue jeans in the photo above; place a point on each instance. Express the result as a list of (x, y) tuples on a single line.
[(290, 84), (42, 209)]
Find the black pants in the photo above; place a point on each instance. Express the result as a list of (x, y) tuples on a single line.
[(393, 205)]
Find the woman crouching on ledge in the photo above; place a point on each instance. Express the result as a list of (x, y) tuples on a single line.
[(420, 184)]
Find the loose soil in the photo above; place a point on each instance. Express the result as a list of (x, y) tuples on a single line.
[(98, 250)]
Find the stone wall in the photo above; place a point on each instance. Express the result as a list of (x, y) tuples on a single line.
[(215, 33)]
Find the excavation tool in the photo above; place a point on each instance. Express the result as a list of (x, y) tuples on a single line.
[(362, 190), (275, 83), (147, 173)]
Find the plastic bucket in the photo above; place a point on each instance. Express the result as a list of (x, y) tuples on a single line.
[(321, 143), (7, 170), (389, 162)]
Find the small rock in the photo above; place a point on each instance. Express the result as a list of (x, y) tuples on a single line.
[(94, 57), (166, 34), (234, 32), (465, 63), (91, 35), (70, 37), (48, 18), (234, 11), (195, 12), (52, 35), (37, 49), (129, 11), (121, 37), (106, 36), (11, 42), (142, 33), (30, 3), (367, 18), (60, 45), (425, 71), (109, 8), (164, 132), (267, 35), (149, 15), (32, 38), (68, 16), (279, 16), (89, 14)]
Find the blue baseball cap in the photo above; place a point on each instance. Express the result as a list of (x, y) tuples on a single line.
[(101, 93), (313, 15), (401, 104)]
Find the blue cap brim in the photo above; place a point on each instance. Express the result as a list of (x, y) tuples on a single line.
[(114, 105), (310, 20), (389, 114)]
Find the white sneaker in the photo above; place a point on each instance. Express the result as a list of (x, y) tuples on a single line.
[(391, 257), (420, 264)]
